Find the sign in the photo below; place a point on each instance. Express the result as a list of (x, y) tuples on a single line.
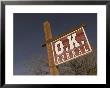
[(70, 46)]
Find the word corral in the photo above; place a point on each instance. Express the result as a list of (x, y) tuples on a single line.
[(70, 46)]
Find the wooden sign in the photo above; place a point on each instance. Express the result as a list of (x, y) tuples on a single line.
[(70, 46)]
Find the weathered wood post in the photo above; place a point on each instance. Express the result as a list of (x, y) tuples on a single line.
[(48, 36)]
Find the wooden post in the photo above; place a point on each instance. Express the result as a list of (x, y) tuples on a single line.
[(48, 35)]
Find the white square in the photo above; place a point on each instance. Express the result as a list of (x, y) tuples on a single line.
[(101, 43)]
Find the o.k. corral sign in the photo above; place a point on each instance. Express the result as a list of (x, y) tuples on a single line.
[(70, 46)]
